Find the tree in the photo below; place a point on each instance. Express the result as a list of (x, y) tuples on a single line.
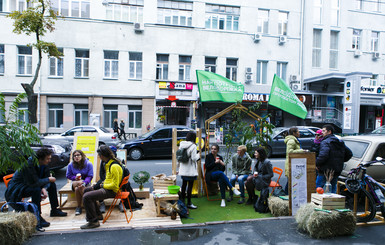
[(36, 20)]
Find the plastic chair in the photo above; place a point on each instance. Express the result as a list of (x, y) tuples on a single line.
[(7, 178), (274, 184), (121, 195), (204, 181)]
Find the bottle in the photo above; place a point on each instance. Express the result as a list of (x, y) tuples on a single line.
[(328, 188)]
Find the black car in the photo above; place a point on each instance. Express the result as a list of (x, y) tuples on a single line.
[(155, 143), (61, 152)]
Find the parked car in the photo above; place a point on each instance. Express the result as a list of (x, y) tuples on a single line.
[(380, 130), (105, 136), (61, 152), (366, 148), (155, 143)]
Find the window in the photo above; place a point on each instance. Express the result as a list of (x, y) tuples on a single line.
[(56, 66), (134, 116), (81, 115), (359, 4), (55, 115), (111, 64), (261, 72), (356, 42), (162, 66), (23, 112), (15, 5), (135, 63), (373, 80), (210, 64), (281, 70), (2, 116), (373, 5), (24, 58), (2, 65), (82, 63), (124, 10), (317, 11), (110, 113), (72, 8), (263, 21), (374, 41), (282, 23), (184, 68), (316, 56), (333, 56), (222, 17), (175, 13), (335, 13), (231, 69)]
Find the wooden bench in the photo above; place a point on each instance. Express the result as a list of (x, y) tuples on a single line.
[(66, 190)]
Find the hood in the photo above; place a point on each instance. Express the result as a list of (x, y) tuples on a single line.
[(185, 144), (289, 137)]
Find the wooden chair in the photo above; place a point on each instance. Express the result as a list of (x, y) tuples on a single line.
[(274, 184), (121, 195), (204, 181)]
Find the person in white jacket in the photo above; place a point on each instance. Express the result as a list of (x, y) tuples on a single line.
[(188, 170)]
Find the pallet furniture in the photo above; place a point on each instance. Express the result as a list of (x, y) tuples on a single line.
[(162, 197), (328, 201), (144, 193), (66, 190)]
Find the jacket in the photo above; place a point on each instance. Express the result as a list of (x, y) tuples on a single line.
[(241, 165), (87, 172), (113, 178), (331, 155), (292, 146), (189, 168), (265, 172), (211, 166)]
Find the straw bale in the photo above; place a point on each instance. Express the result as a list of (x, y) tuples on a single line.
[(16, 227), (303, 215), (278, 206)]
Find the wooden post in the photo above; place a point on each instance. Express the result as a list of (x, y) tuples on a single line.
[(199, 165), (174, 149)]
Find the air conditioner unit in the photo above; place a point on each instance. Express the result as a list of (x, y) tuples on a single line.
[(257, 37), (249, 70), (376, 55), (282, 39), (249, 78), (94, 119), (295, 86), (138, 27), (357, 53), (294, 78)]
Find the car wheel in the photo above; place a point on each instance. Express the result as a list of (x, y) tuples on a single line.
[(136, 154)]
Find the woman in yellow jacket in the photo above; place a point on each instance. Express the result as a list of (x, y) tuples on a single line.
[(107, 189)]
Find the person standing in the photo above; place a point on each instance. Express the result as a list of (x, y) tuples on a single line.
[(121, 128), (115, 127), (317, 142)]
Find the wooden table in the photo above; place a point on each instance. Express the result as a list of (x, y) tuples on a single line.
[(67, 189), (161, 198)]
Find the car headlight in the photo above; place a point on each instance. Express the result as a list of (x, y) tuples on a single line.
[(58, 149)]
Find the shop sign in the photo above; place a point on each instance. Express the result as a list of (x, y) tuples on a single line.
[(372, 90), (251, 97), (175, 86)]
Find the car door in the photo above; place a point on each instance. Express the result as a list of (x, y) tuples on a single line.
[(69, 134), (278, 144), (160, 143), (306, 138)]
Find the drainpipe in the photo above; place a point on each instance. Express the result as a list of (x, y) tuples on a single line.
[(301, 40), (38, 101)]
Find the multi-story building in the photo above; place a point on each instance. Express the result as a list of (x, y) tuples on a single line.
[(136, 59)]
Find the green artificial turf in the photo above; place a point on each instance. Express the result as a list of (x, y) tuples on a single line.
[(212, 211)]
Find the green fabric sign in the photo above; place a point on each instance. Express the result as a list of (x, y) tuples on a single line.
[(282, 97), (214, 87)]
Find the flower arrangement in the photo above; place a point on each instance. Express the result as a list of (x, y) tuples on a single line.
[(140, 178)]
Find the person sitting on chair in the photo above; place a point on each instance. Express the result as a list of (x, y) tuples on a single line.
[(215, 168), (34, 180)]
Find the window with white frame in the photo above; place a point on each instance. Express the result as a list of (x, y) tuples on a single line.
[(263, 21), (24, 59), (135, 63), (317, 11), (210, 64), (175, 12), (283, 18), (162, 66), (15, 5), (110, 113), (261, 72), (231, 68), (82, 60), (72, 8), (316, 55), (374, 41), (125, 10), (1, 10), (23, 113), (55, 115), (2, 116), (360, 4), (335, 13), (56, 65), (81, 114), (2, 62), (333, 55), (184, 67), (111, 64), (356, 41), (134, 116), (373, 5), (373, 80), (222, 17), (281, 70)]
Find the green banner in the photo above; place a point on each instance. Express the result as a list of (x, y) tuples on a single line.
[(282, 97), (214, 87)]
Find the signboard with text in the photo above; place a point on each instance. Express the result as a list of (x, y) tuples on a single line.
[(88, 143)]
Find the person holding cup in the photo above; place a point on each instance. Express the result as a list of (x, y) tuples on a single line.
[(80, 171)]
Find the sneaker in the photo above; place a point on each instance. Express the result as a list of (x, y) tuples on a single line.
[(44, 223), (57, 213), (236, 192), (90, 225), (249, 201), (78, 211), (102, 207), (121, 209), (192, 206), (223, 203), (230, 198), (241, 200)]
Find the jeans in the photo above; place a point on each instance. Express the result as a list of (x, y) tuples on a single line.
[(321, 181), (89, 201), (223, 182), (241, 180), (35, 193)]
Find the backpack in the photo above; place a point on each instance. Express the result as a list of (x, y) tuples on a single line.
[(126, 172), (182, 154), (183, 210), (131, 198), (261, 205)]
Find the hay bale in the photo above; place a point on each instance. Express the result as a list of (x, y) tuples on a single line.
[(16, 227), (303, 215), (278, 206)]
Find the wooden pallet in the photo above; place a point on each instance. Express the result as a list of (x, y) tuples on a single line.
[(326, 201)]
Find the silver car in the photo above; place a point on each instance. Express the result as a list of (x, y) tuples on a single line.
[(105, 136)]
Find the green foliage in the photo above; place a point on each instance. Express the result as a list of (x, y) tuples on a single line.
[(16, 136), (141, 177)]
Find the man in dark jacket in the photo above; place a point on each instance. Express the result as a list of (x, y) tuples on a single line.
[(34, 180), (331, 157)]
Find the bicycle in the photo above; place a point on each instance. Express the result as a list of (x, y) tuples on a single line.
[(356, 182)]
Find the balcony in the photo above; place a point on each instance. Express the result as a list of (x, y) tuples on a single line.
[(327, 115)]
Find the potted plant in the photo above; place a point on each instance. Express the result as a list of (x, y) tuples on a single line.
[(140, 178)]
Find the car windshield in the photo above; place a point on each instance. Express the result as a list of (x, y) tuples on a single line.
[(276, 131), (104, 130), (358, 148), (147, 134), (380, 130)]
